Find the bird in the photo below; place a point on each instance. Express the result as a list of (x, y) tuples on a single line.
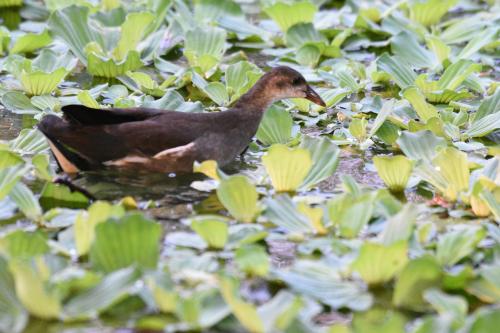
[(166, 141)]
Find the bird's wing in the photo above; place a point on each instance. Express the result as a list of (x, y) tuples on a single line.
[(80, 114), (178, 159), (95, 144)]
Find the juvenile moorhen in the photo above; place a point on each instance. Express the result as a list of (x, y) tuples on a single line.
[(166, 141)]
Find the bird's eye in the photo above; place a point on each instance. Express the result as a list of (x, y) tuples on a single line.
[(297, 81)]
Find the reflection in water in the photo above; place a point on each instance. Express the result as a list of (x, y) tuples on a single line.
[(113, 184), (172, 195)]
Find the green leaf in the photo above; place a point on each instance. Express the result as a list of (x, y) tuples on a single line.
[(424, 110), (286, 15), (55, 195), (252, 259), (394, 171), (491, 201), (302, 33), (385, 111), (26, 201), (478, 42), (324, 283), (487, 320), (46, 102), (172, 100), (24, 244), (239, 196), (4, 40), (215, 90), (429, 12), (282, 212), (308, 55), (9, 159), (379, 319), (453, 166), (211, 10), (399, 227), (9, 178), (347, 80), (213, 230), (13, 317), (113, 287), (417, 276), (350, 212), (357, 128), (32, 292), (280, 311), (133, 30), (30, 42), (438, 47), (29, 141), (406, 46), (447, 305), (455, 74), (458, 244), (109, 68), (487, 286), (165, 297), (388, 132), (86, 99), (398, 69), (86, 222), (325, 157), (421, 145), (40, 83), (246, 313), (287, 168), (378, 263), (18, 102), (204, 47), (488, 106), (72, 26), (276, 126), (132, 240), (484, 126), (240, 77)]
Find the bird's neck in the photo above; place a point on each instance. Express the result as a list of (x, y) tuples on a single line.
[(257, 99)]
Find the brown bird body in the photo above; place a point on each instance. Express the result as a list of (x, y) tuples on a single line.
[(166, 141)]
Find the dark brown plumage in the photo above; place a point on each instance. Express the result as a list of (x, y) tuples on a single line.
[(166, 141)]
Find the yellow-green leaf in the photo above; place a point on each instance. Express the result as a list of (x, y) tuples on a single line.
[(378, 263), (239, 196), (286, 167), (394, 170)]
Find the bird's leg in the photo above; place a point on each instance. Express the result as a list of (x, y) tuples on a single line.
[(65, 180), (242, 154)]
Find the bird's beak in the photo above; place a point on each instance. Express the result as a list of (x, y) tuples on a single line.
[(314, 97)]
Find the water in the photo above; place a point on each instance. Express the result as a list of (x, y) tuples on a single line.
[(168, 199), (11, 124)]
